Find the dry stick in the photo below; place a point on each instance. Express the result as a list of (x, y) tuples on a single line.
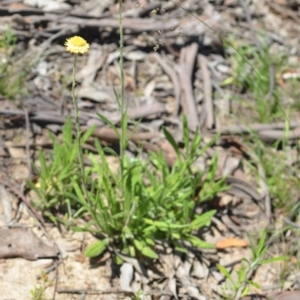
[(133, 113), (208, 102), (109, 135), (134, 24), (93, 291), (139, 112), (104, 134), (108, 291), (289, 222), (244, 187), (185, 70), (56, 263), (173, 76), (273, 135), (241, 128)]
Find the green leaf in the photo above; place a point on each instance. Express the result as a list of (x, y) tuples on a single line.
[(175, 235), (147, 251), (245, 291), (132, 251), (87, 134), (180, 248), (224, 271), (202, 220), (171, 140), (228, 81), (118, 260), (150, 242), (96, 248), (261, 248), (111, 125), (199, 243), (186, 133), (278, 258), (139, 245), (78, 229), (43, 163), (149, 230), (255, 284)]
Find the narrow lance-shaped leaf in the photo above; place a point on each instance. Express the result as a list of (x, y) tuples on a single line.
[(172, 141)]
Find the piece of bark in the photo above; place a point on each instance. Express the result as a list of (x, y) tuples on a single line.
[(21, 242)]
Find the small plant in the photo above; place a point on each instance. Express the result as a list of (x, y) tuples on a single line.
[(158, 202), (254, 69), (241, 286), (144, 202), (57, 175), (38, 293), (280, 175)]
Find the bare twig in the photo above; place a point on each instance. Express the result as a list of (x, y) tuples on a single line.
[(241, 128), (287, 221), (92, 291), (134, 24), (208, 102), (185, 69), (173, 76)]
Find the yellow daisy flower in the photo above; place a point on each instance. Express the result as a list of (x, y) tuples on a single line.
[(77, 44)]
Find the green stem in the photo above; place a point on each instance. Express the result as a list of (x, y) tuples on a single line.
[(78, 137), (123, 138)]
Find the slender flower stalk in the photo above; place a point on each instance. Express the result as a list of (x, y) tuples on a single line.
[(123, 108), (78, 133), (77, 45)]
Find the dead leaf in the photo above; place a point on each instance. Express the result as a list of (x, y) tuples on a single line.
[(80, 258), (231, 242)]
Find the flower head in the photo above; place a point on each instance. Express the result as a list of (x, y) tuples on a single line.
[(77, 44)]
